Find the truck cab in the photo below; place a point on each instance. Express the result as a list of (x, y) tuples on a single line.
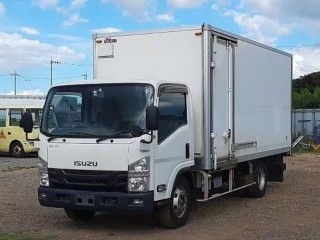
[(115, 147)]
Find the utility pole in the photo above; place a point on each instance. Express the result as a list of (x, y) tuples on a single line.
[(15, 81), (51, 63), (85, 76)]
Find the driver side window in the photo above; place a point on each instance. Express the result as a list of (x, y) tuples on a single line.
[(173, 114)]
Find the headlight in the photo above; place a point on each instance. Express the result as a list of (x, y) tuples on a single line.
[(138, 177), (43, 172)]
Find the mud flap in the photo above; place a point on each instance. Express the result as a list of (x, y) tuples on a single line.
[(276, 167)]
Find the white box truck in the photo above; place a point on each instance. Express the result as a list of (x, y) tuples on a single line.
[(175, 117)]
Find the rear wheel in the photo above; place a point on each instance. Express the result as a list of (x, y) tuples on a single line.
[(260, 177), (175, 213), (79, 215), (16, 150)]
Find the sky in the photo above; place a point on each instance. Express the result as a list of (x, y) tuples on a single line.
[(33, 31)]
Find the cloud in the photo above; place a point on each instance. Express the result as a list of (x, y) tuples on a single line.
[(17, 52), (73, 6), (300, 14), (45, 4), (78, 4), (186, 3), (259, 27), (69, 10), (292, 8), (139, 9), (64, 37), (74, 19), (106, 30), (37, 91), (220, 4), (2, 9), (305, 60), (33, 92), (30, 31), (165, 17)]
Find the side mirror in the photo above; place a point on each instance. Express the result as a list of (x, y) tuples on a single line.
[(26, 122), (152, 118), (136, 131)]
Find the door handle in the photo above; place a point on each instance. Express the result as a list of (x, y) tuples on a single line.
[(187, 150)]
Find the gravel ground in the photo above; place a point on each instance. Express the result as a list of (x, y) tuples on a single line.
[(8, 163), (290, 210)]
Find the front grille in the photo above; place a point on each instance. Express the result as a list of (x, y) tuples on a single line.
[(107, 181)]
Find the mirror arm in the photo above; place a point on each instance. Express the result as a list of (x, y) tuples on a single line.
[(148, 142)]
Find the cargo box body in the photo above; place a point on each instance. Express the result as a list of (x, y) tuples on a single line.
[(241, 90)]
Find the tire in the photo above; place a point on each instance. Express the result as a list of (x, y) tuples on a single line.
[(79, 215), (16, 150), (175, 214), (260, 177)]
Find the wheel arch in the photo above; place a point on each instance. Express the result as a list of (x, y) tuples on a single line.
[(187, 173)]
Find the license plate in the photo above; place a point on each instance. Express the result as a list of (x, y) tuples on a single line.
[(85, 199)]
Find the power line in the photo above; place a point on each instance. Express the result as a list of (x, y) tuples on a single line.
[(298, 45), (36, 78), (46, 78), (84, 75), (78, 65)]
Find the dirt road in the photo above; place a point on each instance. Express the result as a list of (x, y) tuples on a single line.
[(290, 210)]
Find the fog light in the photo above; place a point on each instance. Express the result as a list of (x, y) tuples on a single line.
[(43, 195), (137, 201)]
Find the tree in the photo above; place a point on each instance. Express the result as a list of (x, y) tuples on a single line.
[(306, 91)]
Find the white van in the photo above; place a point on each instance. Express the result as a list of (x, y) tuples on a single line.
[(13, 139)]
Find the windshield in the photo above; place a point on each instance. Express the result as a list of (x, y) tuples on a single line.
[(96, 110)]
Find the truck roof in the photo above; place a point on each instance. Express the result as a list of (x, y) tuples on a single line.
[(114, 81), (188, 28)]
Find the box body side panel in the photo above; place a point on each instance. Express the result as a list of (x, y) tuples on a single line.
[(262, 99)]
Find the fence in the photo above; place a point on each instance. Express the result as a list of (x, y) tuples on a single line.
[(306, 122)]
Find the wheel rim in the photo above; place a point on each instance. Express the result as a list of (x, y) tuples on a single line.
[(180, 201), (17, 150), (261, 179)]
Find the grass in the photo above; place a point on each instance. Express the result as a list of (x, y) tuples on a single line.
[(25, 236)]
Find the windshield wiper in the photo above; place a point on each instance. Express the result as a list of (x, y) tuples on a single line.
[(71, 133), (49, 139), (111, 136)]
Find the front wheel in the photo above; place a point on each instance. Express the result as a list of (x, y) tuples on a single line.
[(17, 150), (175, 213), (260, 177), (79, 215)]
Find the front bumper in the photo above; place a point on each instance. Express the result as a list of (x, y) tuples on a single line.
[(28, 148), (96, 201)]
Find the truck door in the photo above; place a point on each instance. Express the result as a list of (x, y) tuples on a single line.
[(4, 146), (14, 129), (174, 146), (222, 97)]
